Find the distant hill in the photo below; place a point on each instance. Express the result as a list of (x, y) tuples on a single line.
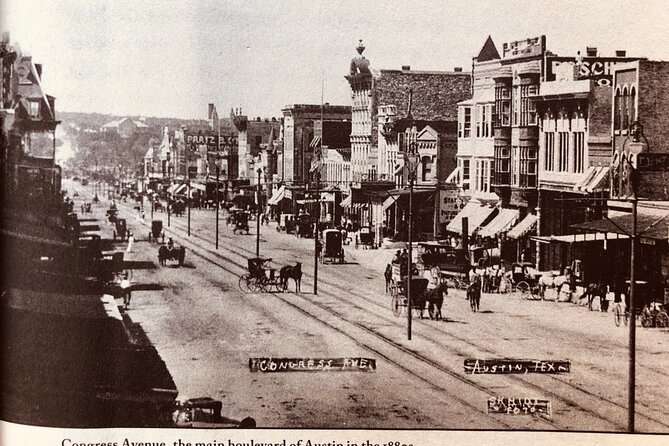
[(94, 148)]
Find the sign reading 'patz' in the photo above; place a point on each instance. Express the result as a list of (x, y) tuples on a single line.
[(519, 406), (514, 366), (276, 365)]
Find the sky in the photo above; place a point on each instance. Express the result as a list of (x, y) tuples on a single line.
[(170, 58)]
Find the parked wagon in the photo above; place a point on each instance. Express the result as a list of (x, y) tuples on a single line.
[(286, 223), (120, 229), (444, 262), (333, 249), (365, 238), (156, 230)]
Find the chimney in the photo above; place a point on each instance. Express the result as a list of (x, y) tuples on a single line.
[(38, 67), (591, 51), (406, 67), (621, 53), (457, 69)]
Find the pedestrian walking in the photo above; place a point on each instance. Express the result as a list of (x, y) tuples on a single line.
[(131, 241)]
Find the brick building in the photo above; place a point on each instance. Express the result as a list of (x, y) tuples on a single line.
[(380, 118)]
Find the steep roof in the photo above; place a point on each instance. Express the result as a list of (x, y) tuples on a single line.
[(488, 52)]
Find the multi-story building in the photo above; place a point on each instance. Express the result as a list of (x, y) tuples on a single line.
[(574, 112), (251, 135), (125, 127), (380, 112)]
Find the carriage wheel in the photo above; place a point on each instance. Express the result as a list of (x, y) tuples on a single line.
[(256, 285), (626, 317), (617, 315), (662, 320), (523, 288), (396, 305), (244, 283), (281, 286)]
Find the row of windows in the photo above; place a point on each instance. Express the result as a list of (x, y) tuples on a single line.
[(483, 118), (516, 166), (624, 113), (517, 109), (482, 173)]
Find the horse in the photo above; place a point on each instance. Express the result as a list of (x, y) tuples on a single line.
[(474, 295), (596, 290), (435, 299), (552, 282), (291, 272), (388, 275)]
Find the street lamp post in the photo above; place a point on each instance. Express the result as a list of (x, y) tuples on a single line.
[(259, 170), (188, 198), (169, 186), (317, 174), (218, 172), (412, 164)]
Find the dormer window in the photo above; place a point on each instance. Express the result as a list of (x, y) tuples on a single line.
[(34, 109)]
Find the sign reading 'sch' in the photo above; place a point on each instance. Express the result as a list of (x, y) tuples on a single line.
[(514, 366), (277, 365)]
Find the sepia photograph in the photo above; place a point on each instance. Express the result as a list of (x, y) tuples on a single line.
[(333, 223)]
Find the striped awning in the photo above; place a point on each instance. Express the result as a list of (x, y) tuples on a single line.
[(596, 180), (198, 186), (504, 220), (526, 225), (277, 196), (315, 142), (180, 190), (476, 215), (346, 202), (453, 177)]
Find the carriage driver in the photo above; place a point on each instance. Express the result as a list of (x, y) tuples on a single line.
[(170, 244)]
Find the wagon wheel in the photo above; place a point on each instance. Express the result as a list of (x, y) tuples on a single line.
[(662, 320), (523, 288), (396, 304), (281, 286), (255, 285), (617, 315), (626, 317), (244, 283)]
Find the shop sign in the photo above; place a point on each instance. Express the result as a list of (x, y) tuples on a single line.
[(450, 204), (531, 47), (209, 140), (599, 69)]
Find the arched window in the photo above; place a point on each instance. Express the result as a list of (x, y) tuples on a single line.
[(617, 111), (632, 105), (625, 110)]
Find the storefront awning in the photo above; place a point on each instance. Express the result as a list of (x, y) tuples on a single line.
[(596, 180), (172, 188), (307, 201), (476, 215), (327, 197), (453, 177), (181, 189), (198, 186), (420, 196), (315, 141), (579, 238), (526, 225), (277, 196), (346, 202), (648, 225), (389, 202), (504, 220)]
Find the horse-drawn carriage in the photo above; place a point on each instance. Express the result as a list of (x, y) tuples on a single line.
[(171, 252), (419, 293), (365, 238), (261, 278), (156, 230), (178, 207), (286, 223), (332, 248), (304, 227), (112, 214), (444, 262), (120, 228), (524, 279), (241, 222)]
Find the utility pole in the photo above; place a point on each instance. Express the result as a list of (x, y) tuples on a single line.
[(258, 215), (317, 174), (218, 170)]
